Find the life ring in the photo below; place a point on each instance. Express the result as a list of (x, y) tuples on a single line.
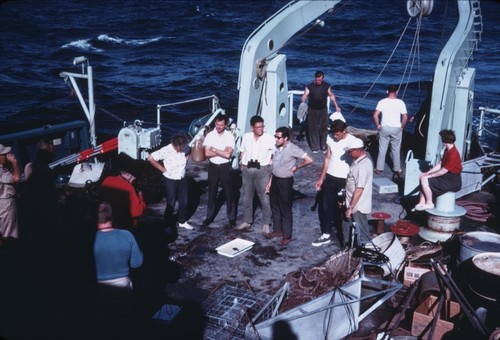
[(419, 7)]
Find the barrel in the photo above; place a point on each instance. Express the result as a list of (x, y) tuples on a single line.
[(477, 242), (485, 278)]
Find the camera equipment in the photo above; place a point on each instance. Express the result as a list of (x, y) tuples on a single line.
[(253, 164), (341, 198)]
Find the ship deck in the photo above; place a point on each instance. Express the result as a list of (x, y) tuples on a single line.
[(48, 283)]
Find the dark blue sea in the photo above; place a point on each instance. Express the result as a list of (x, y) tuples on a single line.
[(146, 53)]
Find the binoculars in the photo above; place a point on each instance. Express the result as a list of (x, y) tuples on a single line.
[(253, 164)]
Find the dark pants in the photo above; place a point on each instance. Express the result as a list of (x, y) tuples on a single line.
[(362, 226), (222, 174), (317, 128), (281, 205), (331, 215), (177, 190)]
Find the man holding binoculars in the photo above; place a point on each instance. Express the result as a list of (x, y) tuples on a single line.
[(257, 148)]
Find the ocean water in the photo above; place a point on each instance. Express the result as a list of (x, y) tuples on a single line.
[(146, 53)]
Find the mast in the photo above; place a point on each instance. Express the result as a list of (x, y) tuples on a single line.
[(90, 109)]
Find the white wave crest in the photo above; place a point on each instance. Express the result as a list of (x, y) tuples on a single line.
[(107, 38), (82, 44), (116, 40)]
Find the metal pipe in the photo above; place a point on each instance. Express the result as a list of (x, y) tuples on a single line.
[(464, 304), (90, 81), (187, 101), (436, 317), (409, 298)]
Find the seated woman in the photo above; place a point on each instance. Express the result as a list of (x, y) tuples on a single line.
[(444, 176)]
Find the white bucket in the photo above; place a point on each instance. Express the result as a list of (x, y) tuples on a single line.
[(391, 247)]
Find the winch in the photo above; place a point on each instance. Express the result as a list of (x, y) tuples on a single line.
[(135, 141)]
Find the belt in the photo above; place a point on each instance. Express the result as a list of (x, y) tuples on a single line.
[(220, 165), (262, 166)]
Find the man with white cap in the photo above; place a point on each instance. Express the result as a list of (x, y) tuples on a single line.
[(358, 191), (9, 175)]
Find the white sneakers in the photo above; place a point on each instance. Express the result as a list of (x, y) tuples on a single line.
[(422, 207), (243, 225), (266, 229), (186, 225), (324, 239)]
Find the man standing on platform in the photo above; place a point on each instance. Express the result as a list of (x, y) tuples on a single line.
[(317, 116), (358, 191), (280, 185), (219, 145), (257, 148)]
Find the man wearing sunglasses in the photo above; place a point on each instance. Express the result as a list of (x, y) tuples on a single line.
[(280, 184)]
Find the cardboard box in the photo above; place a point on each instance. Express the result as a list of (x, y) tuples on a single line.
[(423, 315), (412, 274)]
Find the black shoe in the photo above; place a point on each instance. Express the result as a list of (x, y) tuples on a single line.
[(206, 223), (232, 224)]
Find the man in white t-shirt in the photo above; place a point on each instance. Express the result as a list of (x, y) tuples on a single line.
[(394, 119), (332, 180), (219, 145)]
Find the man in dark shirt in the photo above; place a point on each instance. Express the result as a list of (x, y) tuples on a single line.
[(317, 116)]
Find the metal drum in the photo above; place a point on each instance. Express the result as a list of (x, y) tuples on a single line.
[(485, 278), (477, 242)]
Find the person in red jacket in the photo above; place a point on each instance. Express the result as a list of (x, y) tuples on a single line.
[(127, 203), (444, 176)]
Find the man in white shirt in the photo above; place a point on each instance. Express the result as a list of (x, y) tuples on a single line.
[(332, 180), (394, 119), (219, 145), (257, 148)]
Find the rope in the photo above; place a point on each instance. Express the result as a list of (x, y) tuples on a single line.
[(414, 51), (476, 211), (305, 286), (425, 248), (383, 69)]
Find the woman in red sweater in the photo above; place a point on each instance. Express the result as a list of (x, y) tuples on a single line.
[(444, 176)]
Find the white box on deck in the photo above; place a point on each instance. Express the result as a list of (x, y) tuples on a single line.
[(383, 185)]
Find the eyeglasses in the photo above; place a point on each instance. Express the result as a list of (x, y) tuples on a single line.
[(278, 137)]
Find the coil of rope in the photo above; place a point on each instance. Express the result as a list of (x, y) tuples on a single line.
[(475, 211)]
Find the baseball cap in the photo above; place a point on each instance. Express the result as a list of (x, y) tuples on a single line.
[(4, 149), (354, 143)]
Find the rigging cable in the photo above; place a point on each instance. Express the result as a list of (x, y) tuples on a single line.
[(414, 51), (316, 23), (383, 69)]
